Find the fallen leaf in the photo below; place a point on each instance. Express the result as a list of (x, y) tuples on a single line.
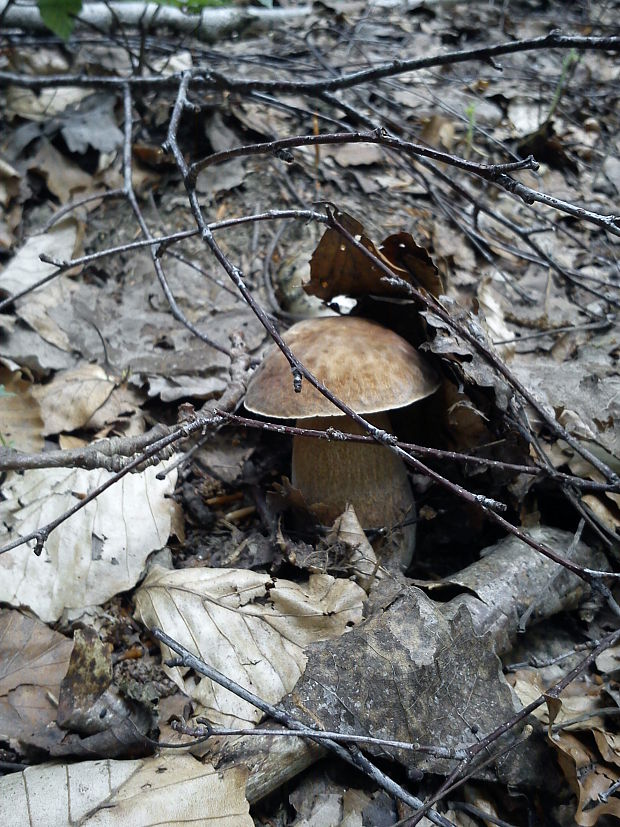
[(33, 662), (338, 268), (395, 676), (250, 627), (97, 553), (39, 106), (26, 268), (171, 789), (64, 178), (588, 778), (72, 398), (20, 416)]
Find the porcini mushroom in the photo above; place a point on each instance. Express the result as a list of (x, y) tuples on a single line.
[(371, 369)]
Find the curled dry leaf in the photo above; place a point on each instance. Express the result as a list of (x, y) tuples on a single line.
[(588, 778), (99, 551), (171, 789), (247, 625), (361, 555), (471, 367), (585, 770), (337, 268)]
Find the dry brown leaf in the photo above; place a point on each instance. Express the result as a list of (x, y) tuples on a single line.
[(608, 744), (33, 661), (21, 425), (588, 779), (337, 268)]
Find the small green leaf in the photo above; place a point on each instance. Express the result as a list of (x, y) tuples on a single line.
[(59, 15)]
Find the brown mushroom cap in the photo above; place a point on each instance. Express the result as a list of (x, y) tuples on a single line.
[(366, 365)]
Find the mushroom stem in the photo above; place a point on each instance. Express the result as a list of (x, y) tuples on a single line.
[(332, 474)]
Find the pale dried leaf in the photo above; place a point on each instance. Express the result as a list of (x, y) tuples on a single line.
[(247, 625), (362, 558), (26, 268), (353, 155), (72, 397), (9, 183), (41, 105), (99, 551), (171, 789), (528, 686), (494, 318)]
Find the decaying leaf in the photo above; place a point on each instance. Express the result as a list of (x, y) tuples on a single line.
[(249, 626), (413, 673), (93, 717), (172, 789), (472, 368), (91, 123), (99, 551)]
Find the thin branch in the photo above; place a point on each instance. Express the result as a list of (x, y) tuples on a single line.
[(490, 172), (333, 434), (216, 80), (158, 241), (156, 447)]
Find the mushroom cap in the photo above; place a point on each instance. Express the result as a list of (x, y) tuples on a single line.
[(366, 365)]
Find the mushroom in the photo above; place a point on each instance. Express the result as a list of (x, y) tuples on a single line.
[(372, 370)]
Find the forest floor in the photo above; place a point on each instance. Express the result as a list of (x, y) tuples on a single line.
[(138, 295)]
